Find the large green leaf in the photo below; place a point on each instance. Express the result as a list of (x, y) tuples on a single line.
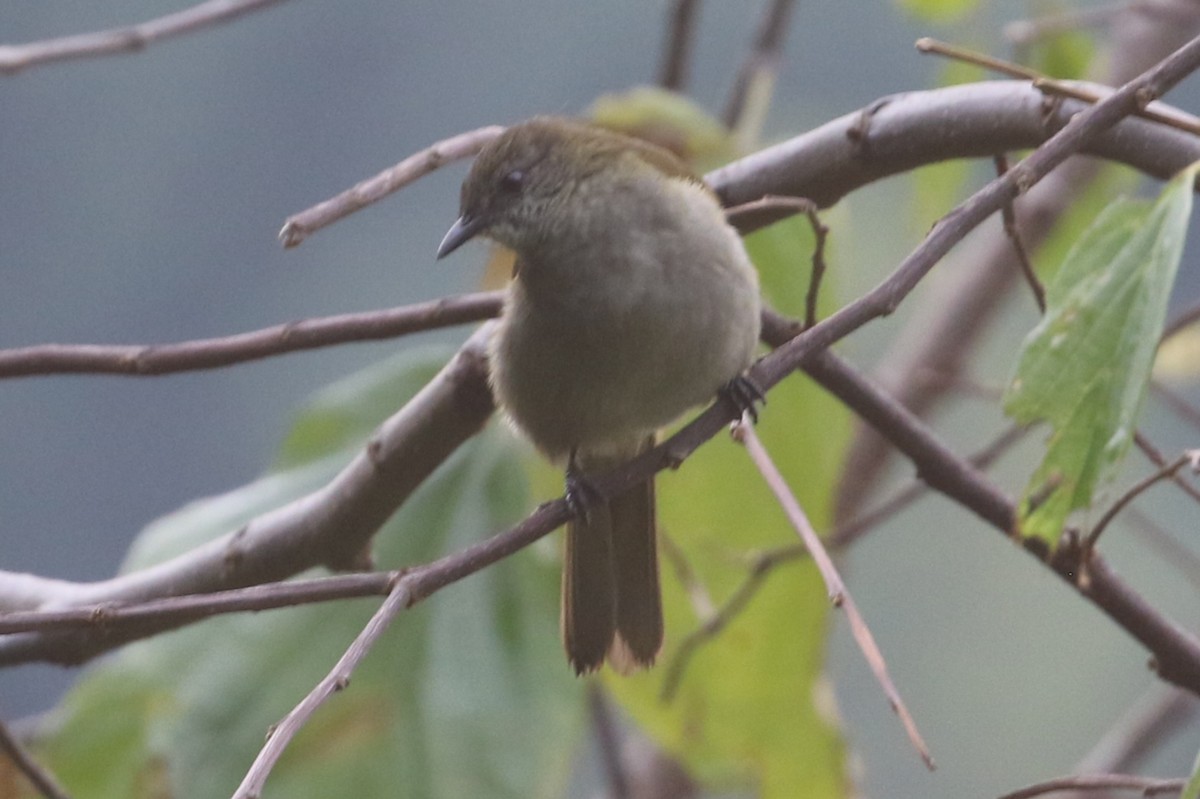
[(432, 708), (1085, 367)]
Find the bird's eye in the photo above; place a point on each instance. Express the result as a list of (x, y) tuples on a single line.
[(513, 181)]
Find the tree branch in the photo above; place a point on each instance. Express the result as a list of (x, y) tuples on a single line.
[(300, 226), (135, 38), (143, 360), (1148, 786), (838, 593), (677, 50), (330, 526), (41, 779), (965, 302)]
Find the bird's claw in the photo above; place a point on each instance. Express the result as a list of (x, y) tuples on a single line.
[(745, 394)]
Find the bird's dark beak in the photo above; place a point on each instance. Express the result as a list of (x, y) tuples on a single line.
[(465, 228)]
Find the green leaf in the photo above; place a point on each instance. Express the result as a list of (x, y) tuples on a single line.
[(1085, 367), (433, 707)]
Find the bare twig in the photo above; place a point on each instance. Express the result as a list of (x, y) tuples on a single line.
[(1155, 456), (41, 779), (755, 79), (677, 50), (300, 226), (412, 587), (702, 603), (282, 733), (1149, 786), (774, 208), (714, 624), (1028, 31), (608, 741), (173, 611), (745, 435), (16, 57), (1009, 218), (1046, 83), (1168, 470), (141, 360)]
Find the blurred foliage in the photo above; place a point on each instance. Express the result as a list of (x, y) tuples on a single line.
[(940, 11), (1085, 367), (434, 705), (1178, 358)]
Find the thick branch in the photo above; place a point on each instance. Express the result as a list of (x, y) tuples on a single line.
[(331, 526)]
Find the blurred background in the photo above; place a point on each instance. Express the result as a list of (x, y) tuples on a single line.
[(140, 198)]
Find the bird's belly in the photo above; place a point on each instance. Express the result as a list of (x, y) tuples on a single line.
[(600, 381)]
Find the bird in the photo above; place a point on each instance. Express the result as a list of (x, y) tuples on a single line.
[(632, 301)]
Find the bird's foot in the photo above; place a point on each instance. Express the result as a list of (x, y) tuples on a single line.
[(581, 494), (745, 395)]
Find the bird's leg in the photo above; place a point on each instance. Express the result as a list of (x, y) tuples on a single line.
[(581, 494), (745, 395)]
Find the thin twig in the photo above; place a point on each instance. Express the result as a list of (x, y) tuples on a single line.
[(16, 57), (1149, 786), (608, 741), (282, 733), (1156, 456), (702, 603), (838, 593), (714, 624), (1009, 218), (1169, 470), (775, 208), (173, 611), (411, 588), (752, 88), (1047, 84), (1027, 31), (141, 360), (300, 226), (41, 779), (677, 49)]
